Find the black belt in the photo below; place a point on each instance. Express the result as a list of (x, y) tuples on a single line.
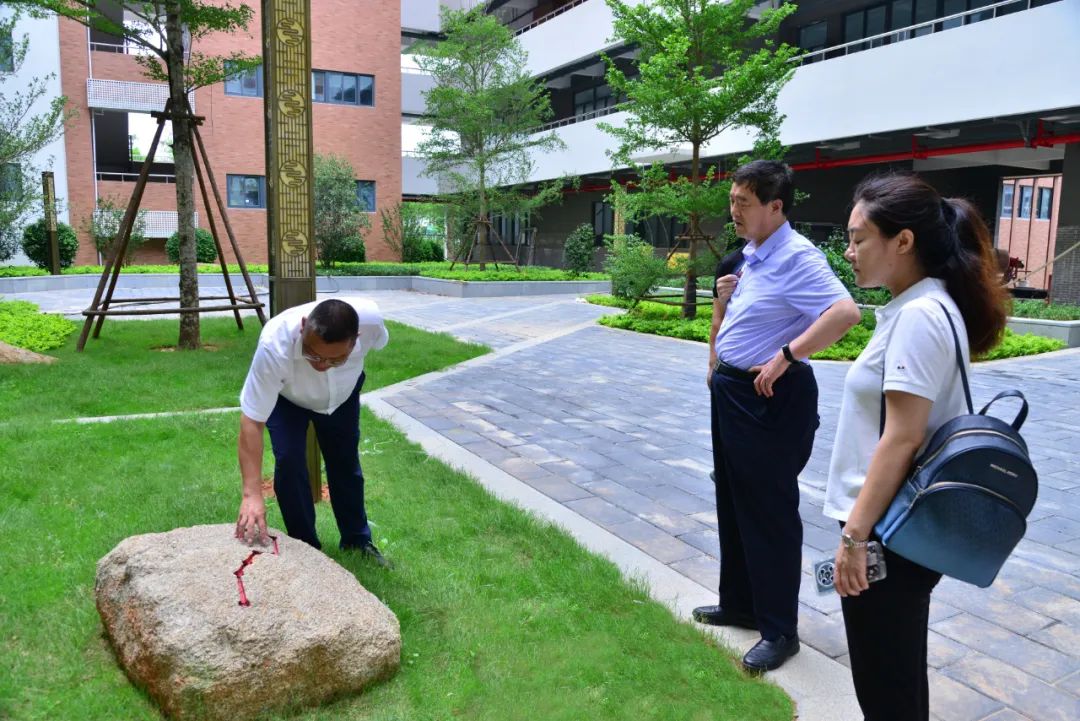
[(726, 369)]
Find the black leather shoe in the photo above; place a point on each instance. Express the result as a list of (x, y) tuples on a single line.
[(718, 616), (770, 655), (369, 550)]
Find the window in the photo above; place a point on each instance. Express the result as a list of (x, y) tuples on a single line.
[(863, 24), (1046, 199), (1024, 211), (365, 195), (814, 36), (1007, 200), (10, 181), (7, 51), (925, 11), (342, 88), (246, 191), (603, 220), (509, 228), (248, 83), (598, 98)]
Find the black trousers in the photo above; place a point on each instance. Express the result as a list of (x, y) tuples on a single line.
[(339, 442), (760, 445), (886, 631)]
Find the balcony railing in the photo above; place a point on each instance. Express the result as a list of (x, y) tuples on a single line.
[(551, 15), (128, 95), (132, 177), (598, 113), (948, 22), (156, 223)]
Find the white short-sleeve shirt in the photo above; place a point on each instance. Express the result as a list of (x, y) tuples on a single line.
[(279, 368), (921, 360)]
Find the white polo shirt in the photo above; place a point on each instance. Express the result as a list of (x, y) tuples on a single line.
[(279, 368), (921, 360)]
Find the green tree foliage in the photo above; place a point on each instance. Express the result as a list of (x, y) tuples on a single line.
[(340, 223), (23, 133), (580, 249), (205, 248), (35, 243), (484, 111), (103, 227), (161, 31), (705, 67)]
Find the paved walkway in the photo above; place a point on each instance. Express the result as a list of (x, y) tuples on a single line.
[(613, 427)]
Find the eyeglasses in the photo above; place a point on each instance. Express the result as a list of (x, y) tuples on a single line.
[(332, 362)]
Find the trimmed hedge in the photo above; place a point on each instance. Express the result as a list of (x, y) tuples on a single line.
[(1045, 311), (663, 320), (22, 325)]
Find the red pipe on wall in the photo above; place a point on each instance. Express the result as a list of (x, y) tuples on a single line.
[(1041, 140)]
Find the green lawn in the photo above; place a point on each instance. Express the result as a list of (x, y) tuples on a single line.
[(502, 616), (125, 370), (666, 320)]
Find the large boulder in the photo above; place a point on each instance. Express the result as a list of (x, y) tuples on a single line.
[(171, 605)]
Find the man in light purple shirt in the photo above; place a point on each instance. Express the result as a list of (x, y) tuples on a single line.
[(772, 309)]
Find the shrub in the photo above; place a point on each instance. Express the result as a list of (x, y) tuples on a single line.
[(834, 248), (1045, 311), (431, 251), (205, 250), (340, 221), (635, 270), (580, 248), (351, 250), (409, 230), (1013, 345), (21, 325), (103, 225), (35, 244)]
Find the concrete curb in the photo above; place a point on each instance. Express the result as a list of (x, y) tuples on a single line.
[(323, 283)]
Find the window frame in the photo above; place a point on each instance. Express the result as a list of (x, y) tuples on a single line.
[(370, 207), (1048, 194), (1023, 208), (1010, 190), (363, 88), (245, 206), (7, 52), (240, 77)]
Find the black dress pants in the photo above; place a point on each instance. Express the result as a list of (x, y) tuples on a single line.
[(760, 445), (339, 442), (886, 631)]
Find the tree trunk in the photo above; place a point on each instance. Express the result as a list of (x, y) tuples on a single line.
[(482, 239), (185, 181), (694, 231)]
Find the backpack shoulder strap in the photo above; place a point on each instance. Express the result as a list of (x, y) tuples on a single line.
[(959, 366)]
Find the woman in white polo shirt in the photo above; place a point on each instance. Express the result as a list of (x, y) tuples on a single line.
[(928, 251)]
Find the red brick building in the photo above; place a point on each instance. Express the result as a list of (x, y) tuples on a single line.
[(1027, 226), (357, 115)]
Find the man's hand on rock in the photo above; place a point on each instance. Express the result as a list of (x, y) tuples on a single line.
[(251, 524)]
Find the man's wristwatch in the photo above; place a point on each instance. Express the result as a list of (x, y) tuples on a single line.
[(850, 544), (786, 350)]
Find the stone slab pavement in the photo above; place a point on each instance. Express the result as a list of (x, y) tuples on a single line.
[(612, 428)]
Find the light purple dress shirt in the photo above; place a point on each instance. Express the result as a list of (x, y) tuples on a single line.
[(786, 283)]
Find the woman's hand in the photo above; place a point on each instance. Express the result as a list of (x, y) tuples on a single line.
[(850, 573)]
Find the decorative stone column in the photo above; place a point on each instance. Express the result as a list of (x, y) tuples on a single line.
[(290, 187)]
